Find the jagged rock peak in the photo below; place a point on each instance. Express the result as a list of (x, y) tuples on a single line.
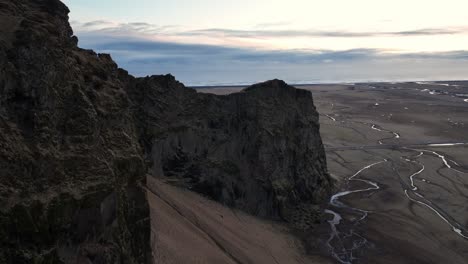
[(275, 83), (276, 87)]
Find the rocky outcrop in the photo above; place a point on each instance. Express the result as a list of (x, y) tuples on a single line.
[(259, 150), (78, 135), (71, 168)]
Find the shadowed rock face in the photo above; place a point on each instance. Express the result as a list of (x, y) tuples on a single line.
[(71, 168), (78, 135), (259, 150)]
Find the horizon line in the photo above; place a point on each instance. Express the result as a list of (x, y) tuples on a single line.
[(323, 83)]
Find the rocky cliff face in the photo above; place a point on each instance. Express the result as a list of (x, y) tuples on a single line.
[(71, 170), (259, 150), (78, 135)]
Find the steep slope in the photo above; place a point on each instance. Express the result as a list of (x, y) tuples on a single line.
[(78, 136), (189, 228), (259, 150), (71, 169)]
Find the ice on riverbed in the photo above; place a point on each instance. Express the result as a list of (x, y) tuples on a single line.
[(446, 144)]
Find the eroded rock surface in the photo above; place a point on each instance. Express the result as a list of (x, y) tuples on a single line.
[(71, 169), (259, 150), (78, 135)]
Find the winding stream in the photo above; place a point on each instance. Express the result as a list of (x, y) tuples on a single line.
[(452, 93), (344, 242), (331, 118), (414, 187), (338, 241), (344, 255), (378, 128), (455, 226)]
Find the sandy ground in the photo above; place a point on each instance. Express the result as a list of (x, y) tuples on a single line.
[(419, 212), (188, 228)]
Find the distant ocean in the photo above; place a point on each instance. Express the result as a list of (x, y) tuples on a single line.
[(315, 81)]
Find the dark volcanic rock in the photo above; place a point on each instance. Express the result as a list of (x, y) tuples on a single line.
[(71, 169), (78, 135), (259, 150)]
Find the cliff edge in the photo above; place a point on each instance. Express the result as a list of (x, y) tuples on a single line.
[(71, 168), (259, 150), (78, 136)]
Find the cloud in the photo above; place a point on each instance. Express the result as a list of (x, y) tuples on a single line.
[(142, 49), (432, 31), (318, 33), (97, 23), (102, 26), (449, 55), (259, 31), (134, 49), (200, 64)]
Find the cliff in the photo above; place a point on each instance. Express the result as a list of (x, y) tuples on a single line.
[(71, 167), (78, 136), (259, 150)]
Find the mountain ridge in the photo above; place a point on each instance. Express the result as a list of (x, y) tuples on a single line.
[(78, 136)]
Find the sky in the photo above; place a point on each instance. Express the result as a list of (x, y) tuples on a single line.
[(220, 42)]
